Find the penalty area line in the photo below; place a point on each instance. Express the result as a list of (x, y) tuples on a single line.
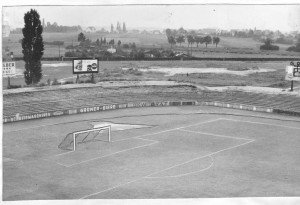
[(215, 135), (149, 175), (261, 123), (189, 173)]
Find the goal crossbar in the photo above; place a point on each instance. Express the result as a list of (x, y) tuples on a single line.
[(106, 127)]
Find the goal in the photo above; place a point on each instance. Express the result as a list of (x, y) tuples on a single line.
[(72, 140)]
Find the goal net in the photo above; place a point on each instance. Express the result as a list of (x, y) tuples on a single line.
[(72, 140)]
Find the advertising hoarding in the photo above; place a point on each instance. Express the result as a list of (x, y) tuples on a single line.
[(82, 66), (8, 69), (291, 74)]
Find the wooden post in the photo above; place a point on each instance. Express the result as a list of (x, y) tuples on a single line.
[(8, 82), (292, 85), (58, 52), (77, 79), (93, 80)]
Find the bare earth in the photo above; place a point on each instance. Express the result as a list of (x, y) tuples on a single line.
[(107, 84)]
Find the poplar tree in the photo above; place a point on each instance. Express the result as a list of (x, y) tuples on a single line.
[(33, 47)]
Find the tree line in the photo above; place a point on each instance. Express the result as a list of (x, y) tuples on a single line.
[(58, 28), (181, 36)]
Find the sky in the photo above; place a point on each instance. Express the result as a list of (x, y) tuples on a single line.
[(285, 18)]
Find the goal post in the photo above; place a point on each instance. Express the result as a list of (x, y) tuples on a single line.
[(71, 141)]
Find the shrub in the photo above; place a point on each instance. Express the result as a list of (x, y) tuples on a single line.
[(293, 48), (88, 81), (40, 84), (55, 82), (126, 46), (269, 47), (284, 40), (14, 86), (70, 54)]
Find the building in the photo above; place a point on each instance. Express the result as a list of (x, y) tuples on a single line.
[(5, 30), (90, 29), (5, 27), (156, 32), (112, 50)]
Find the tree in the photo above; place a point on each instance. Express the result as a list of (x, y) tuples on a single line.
[(112, 42), (118, 27), (33, 47), (124, 28), (181, 31), (268, 45), (133, 46), (295, 48), (97, 42), (191, 40), (81, 37), (171, 40), (111, 28), (119, 43), (198, 39), (216, 40), (180, 39), (168, 32), (207, 40), (268, 42)]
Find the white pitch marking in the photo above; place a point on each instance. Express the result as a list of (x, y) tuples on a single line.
[(55, 162), (216, 135), (156, 133), (112, 154), (261, 123), (63, 153), (202, 157), (117, 186), (189, 173), (139, 137), (145, 139), (105, 190)]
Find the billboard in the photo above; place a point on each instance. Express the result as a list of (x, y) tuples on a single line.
[(8, 69), (291, 73), (81, 66)]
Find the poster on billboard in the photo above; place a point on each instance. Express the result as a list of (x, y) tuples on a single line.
[(292, 73), (8, 69), (82, 66)]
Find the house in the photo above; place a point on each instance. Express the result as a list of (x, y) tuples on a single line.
[(112, 50), (149, 54), (5, 29), (90, 29), (156, 32), (134, 31), (144, 32)]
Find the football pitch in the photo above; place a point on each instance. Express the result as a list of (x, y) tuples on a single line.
[(173, 152)]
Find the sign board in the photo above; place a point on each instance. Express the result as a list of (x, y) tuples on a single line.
[(82, 66), (291, 74), (8, 69)]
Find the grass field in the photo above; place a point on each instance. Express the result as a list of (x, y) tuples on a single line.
[(185, 152), (228, 46), (112, 71)]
